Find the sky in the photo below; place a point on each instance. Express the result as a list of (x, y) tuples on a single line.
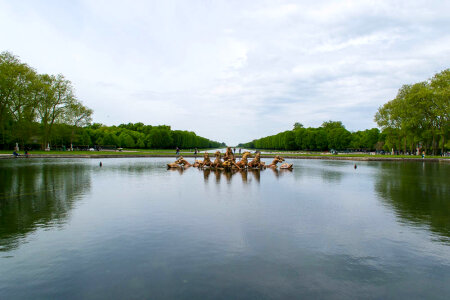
[(231, 71)]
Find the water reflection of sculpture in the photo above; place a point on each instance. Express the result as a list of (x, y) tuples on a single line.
[(229, 162)]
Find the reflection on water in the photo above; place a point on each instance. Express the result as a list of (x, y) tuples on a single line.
[(227, 175), (72, 230), (419, 194), (37, 195)]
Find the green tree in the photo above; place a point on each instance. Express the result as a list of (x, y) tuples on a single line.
[(55, 97), (125, 140), (329, 125)]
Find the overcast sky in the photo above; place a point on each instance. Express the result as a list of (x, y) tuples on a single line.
[(231, 71)]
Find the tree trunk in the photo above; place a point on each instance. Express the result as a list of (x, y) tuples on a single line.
[(443, 143), (433, 144), (404, 145)]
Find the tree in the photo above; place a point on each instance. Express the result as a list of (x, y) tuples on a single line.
[(125, 140), (77, 116), (419, 114), (440, 85), (16, 101), (329, 125), (339, 138), (160, 138), (55, 97)]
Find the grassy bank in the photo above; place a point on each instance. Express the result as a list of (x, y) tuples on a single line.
[(171, 153)]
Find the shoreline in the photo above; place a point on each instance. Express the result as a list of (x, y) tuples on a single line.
[(351, 158)]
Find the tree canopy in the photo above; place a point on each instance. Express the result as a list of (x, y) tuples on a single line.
[(41, 109), (331, 135), (418, 117)]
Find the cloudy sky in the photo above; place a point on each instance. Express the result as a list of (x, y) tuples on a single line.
[(231, 71)]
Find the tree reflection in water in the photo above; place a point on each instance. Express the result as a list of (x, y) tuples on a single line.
[(419, 194), (37, 195)]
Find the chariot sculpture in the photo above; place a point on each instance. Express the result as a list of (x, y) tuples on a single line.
[(228, 162)]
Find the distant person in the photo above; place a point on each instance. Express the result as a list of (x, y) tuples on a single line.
[(15, 153), (423, 154), (195, 151), (178, 151), (234, 151), (240, 150)]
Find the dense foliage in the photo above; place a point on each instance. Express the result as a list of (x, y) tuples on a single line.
[(138, 135), (418, 118), (331, 135), (37, 110)]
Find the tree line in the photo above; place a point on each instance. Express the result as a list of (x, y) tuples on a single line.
[(138, 135), (41, 110), (418, 118), (330, 135)]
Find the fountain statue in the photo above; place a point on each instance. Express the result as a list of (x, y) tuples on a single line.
[(229, 162), (275, 161), (256, 163), (206, 161), (244, 160), (218, 161)]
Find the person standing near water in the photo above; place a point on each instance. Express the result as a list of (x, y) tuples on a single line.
[(178, 151)]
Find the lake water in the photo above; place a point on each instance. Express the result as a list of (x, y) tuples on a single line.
[(134, 230)]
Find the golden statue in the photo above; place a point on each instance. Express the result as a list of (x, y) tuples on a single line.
[(183, 162), (180, 162), (229, 162), (275, 161), (244, 161), (228, 154), (175, 164), (256, 162), (206, 161), (286, 166), (218, 161)]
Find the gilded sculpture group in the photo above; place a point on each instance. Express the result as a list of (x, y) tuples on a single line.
[(228, 161)]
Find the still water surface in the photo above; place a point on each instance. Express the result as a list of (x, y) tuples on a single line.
[(134, 230)]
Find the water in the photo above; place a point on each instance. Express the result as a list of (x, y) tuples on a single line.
[(134, 230)]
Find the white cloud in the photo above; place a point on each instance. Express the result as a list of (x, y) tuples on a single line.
[(232, 71)]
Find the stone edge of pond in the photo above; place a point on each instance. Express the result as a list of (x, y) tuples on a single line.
[(365, 158)]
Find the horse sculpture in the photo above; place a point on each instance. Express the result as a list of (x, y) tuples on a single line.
[(180, 162), (175, 164), (244, 161), (183, 162), (256, 162), (229, 162), (276, 160)]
